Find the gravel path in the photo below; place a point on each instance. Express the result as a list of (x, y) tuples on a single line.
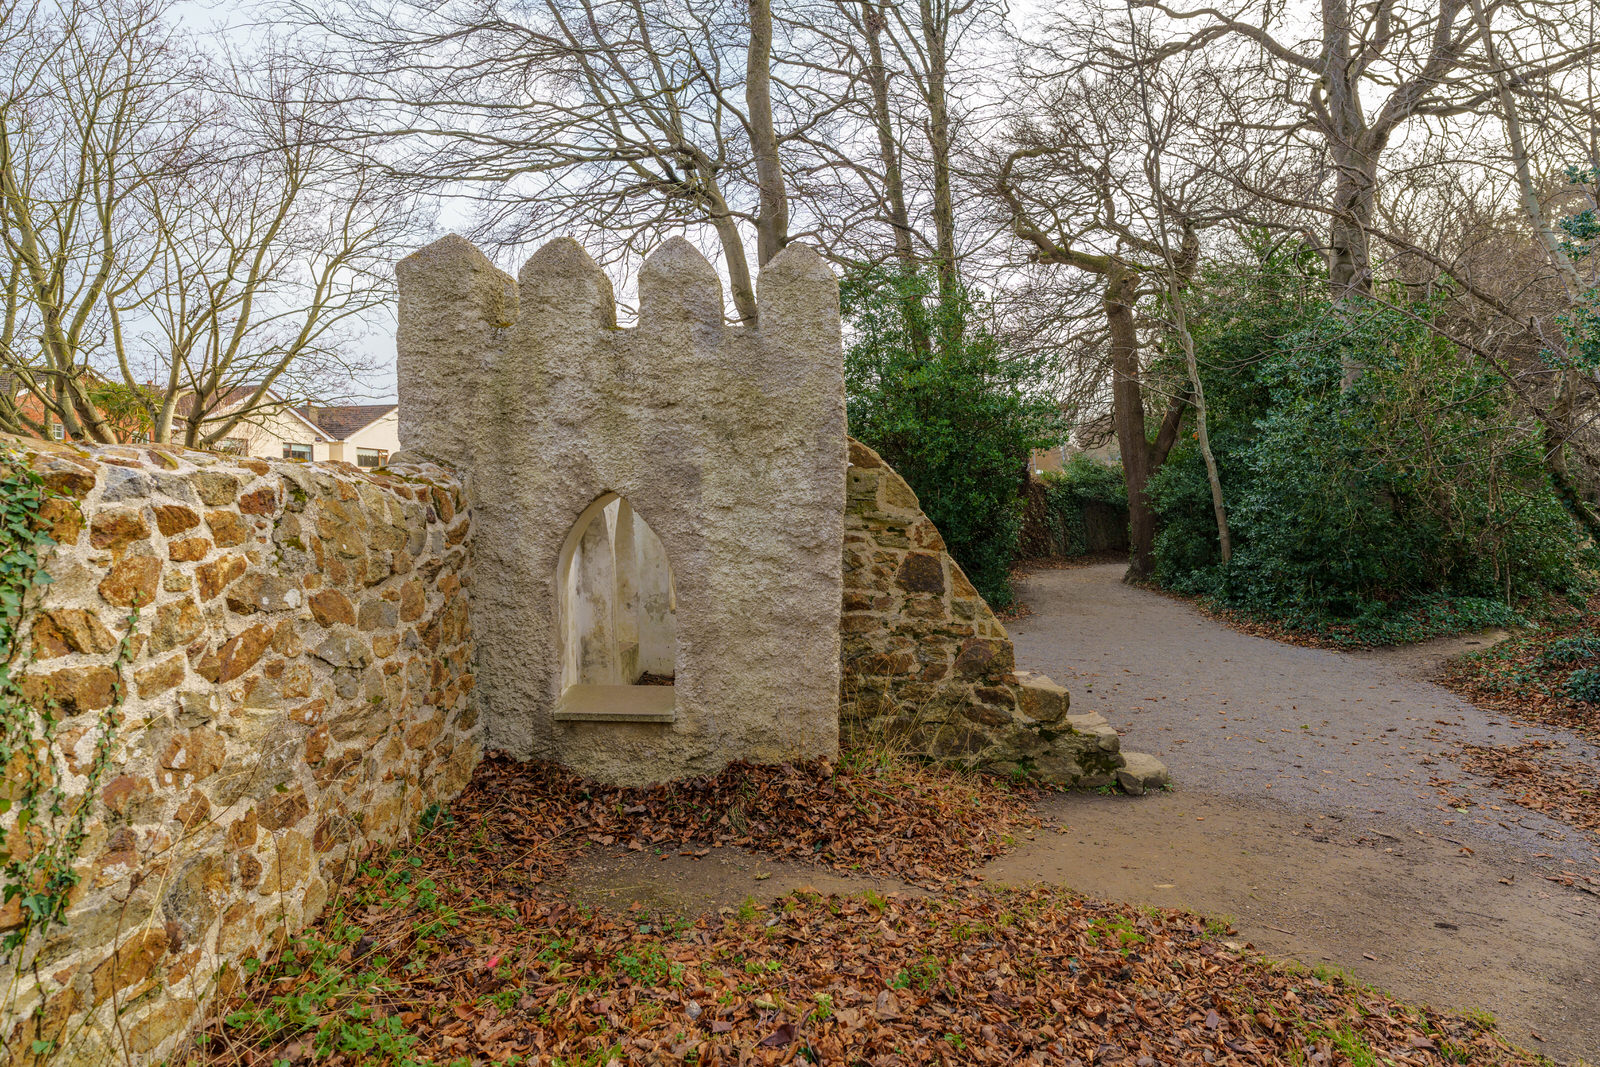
[(1336, 733), (1302, 806)]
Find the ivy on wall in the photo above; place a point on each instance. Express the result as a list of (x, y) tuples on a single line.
[(47, 825)]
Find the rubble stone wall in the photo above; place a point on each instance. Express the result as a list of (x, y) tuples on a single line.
[(926, 663), (295, 689)]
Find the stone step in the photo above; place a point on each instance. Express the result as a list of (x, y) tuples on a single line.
[(1093, 724), (1041, 699), (1142, 773)]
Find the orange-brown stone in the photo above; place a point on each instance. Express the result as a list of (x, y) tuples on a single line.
[(227, 528), (64, 630), (133, 961), (240, 653), (117, 528), (215, 576), (260, 502), (157, 678), (132, 581), (331, 606), (73, 690)]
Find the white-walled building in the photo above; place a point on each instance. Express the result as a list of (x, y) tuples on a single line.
[(362, 434)]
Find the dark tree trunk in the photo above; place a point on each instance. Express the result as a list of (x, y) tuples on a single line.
[(1127, 414)]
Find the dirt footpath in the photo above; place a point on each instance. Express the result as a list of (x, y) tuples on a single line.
[(1303, 809)]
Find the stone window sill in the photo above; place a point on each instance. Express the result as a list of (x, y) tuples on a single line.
[(616, 703)]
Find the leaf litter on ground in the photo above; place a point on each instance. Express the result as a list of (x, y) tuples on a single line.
[(454, 950)]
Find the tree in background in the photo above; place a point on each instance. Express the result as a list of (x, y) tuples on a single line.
[(956, 416), (174, 233)]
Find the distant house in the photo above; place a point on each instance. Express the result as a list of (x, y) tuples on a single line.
[(128, 428), (363, 434), (1093, 438)]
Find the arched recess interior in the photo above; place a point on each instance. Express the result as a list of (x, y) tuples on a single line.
[(618, 624)]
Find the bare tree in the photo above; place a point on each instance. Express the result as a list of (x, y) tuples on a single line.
[(621, 120), (1156, 141), (1068, 185), (1368, 71), (277, 248), (176, 234), (89, 117)]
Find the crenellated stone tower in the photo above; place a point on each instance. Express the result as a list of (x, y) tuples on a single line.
[(657, 511)]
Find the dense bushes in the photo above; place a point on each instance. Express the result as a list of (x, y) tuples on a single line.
[(931, 390), (1081, 508), (1413, 502)]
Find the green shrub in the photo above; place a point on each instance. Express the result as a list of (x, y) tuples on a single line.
[(1584, 684), (1411, 504), (1573, 649), (1071, 492), (930, 388)]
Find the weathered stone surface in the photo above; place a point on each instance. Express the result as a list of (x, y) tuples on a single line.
[(188, 549), (216, 488), (1041, 699), (261, 591), (157, 678), (177, 622), (132, 581), (73, 690), (669, 416), (982, 658), (921, 572), (925, 660), (330, 606), (130, 964), (343, 649), (240, 653), (116, 528), (1141, 773), (212, 578), (227, 529), (261, 502), (241, 780), (175, 518), (61, 520), (193, 755), (67, 630)]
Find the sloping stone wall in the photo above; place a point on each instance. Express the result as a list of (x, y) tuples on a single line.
[(298, 689), (926, 664)]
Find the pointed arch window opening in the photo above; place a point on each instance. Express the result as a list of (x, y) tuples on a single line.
[(618, 619)]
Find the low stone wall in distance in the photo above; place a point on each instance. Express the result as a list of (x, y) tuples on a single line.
[(296, 689), (927, 664)]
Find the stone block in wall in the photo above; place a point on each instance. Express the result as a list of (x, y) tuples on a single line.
[(293, 620)]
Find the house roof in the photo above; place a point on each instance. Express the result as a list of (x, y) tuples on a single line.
[(340, 421), (241, 393)]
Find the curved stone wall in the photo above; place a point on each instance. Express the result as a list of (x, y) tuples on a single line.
[(296, 689)]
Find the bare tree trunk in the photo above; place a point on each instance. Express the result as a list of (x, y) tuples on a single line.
[(1558, 429), (1202, 430), (894, 189), (1354, 197), (1127, 415), (732, 242), (935, 35), (772, 222)]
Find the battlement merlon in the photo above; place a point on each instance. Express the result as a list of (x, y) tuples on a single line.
[(454, 303)]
